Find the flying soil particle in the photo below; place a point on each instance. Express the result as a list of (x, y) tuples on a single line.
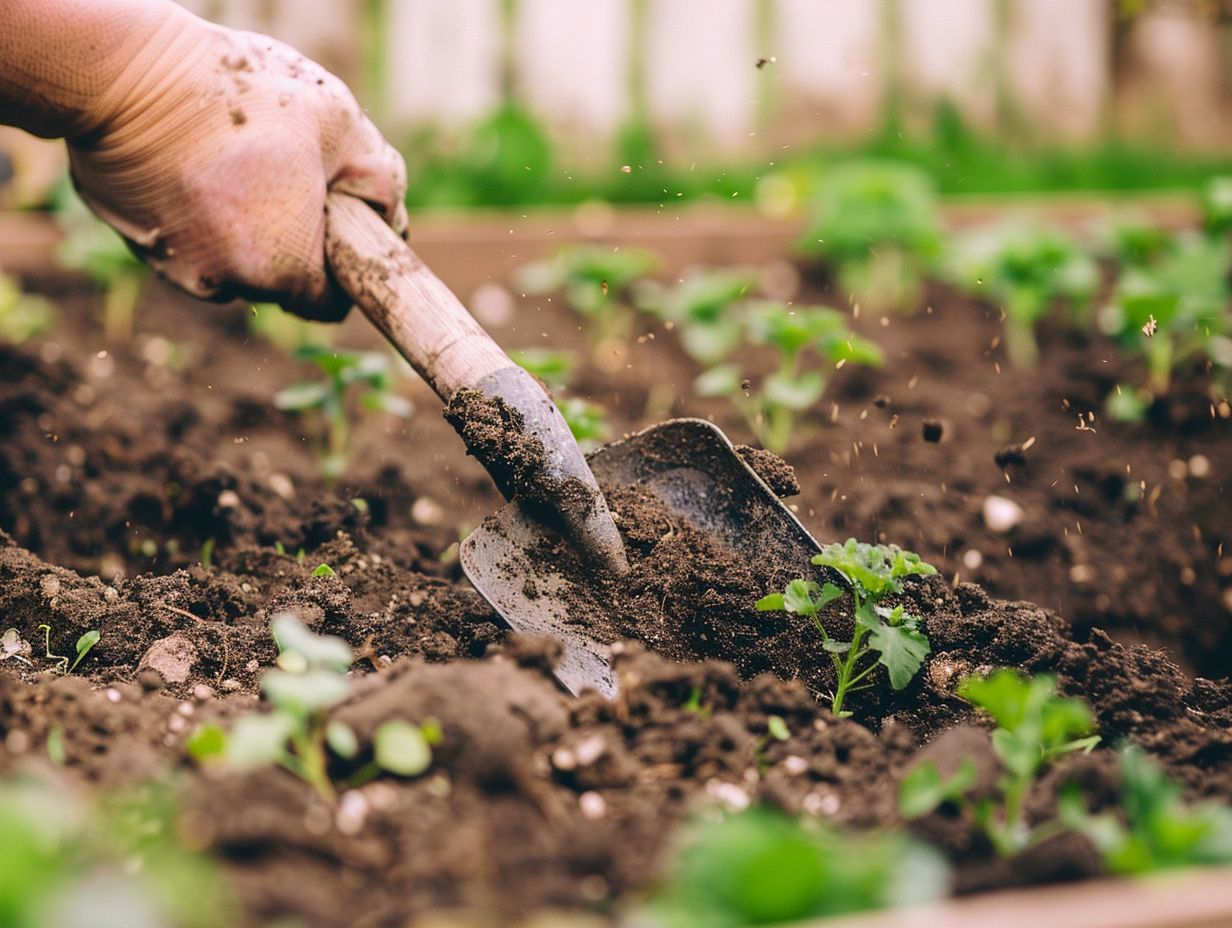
[(933, 430), (1010, 454)]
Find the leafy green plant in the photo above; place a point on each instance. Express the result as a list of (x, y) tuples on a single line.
[(758, 867), (367, 373), (876, 222), (1151, 829), (1216, 205), (1024, 269), (806, 341), (706, 309), (298, 733), (91, 246), (873, 573), (83, 647), (1035, 726), (64, 861), (595, 281), (1173, 309), (23, 316)]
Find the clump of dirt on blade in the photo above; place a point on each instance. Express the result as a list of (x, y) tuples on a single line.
[(776, 473), (495, 434)]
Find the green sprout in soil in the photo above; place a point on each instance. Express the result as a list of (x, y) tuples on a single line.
[(298, 733), (759, 867), (1151, 828), (123, 859), (1173, 310), (706, 309), (873, 572), (1035, 726), (595, 282), (587, 421), (91, 246), (365, 373), (876, 223), (207, 553), (807, 340), (323, 570), (23, 316), (83, 647), (1023, 270)]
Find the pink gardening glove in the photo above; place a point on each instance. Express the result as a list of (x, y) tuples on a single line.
[(212, 154)]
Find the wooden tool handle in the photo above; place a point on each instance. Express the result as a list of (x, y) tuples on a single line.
[(406, 301)]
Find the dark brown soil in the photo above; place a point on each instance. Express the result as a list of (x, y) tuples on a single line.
[(116, 467)]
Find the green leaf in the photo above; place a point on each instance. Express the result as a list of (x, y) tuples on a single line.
[(323, 570), (207, 742), (903, 650), (723, 380), (302, 694), (835, 646), (772, 602), (777, 728), (798, 597), (401, 748), (84, 644), (924, 789), (301, 396), (795, 393), (341, 739), (293, 637), (259, 739)]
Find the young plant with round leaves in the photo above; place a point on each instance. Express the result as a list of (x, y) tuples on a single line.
[(876, 223), (595, 282), (706, 309), (759, 867), (587, 421), (1035, 726), (298, 733), (1151, 828), (808, 341), (365, 374), (873, 573), (1174, 309), (1023, 270)]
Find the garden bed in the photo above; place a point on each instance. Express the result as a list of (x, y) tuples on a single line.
[(120, 463)]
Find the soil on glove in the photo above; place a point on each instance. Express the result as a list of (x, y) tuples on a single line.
[(118, 465)]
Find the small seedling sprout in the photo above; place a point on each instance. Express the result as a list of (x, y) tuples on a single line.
[(815, 334), (323, 570), (873, 573), (22, 315), (366, 372), (587, 421), (706, 308), (298, 733)]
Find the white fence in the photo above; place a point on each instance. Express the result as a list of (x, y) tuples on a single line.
[(1065, 67)]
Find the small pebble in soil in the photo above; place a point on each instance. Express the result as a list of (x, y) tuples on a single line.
[(795, 764), (1001, 514), (590, 750), (112, 694), (1081, 573), (972, 559), (821, 804), (1199, 466), (731, 795), (933, 430), (564, 759), (352, 811), (228, 499), (592, 805), (17, 742)]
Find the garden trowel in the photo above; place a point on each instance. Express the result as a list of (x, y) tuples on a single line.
[(687, 464)]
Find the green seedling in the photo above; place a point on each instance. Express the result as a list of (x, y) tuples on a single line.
[(587, 421), (298, 734), (1023, 270), (83, 647), (706, 309), (23, 316), (595, 282), (1134, 242), (876, 223), (365, 373), (1127, 403), (1174, 309), (758, 867), (323, 570), (873, 573), (1035, 726), (1151, 829), (207, 553), (122, 860), (807, 341), (91, 246)]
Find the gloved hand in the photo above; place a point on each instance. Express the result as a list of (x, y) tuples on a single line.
[(211, 151)]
